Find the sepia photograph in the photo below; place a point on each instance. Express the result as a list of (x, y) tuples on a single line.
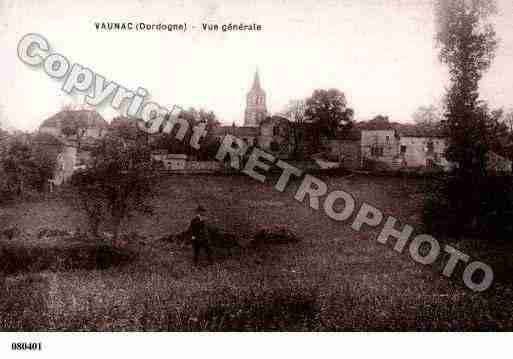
[(223, 166)]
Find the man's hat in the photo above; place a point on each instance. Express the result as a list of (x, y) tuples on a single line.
[(200, 209)]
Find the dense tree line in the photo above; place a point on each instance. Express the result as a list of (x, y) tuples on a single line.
[(27, 162)]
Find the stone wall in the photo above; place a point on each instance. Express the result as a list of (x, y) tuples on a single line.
[(346, 152), (194, 167)]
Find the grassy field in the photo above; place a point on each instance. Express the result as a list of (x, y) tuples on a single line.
[(332, 279)]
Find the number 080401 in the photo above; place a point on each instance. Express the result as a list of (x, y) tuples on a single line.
[(26, 346)]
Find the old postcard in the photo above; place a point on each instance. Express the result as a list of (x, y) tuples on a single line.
[(255, 166)]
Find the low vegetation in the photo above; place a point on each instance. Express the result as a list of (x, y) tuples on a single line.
[(329, 278)]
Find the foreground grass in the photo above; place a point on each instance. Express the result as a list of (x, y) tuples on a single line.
[(333, 279)]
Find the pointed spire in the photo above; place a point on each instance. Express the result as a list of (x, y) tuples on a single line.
[(256, 81)]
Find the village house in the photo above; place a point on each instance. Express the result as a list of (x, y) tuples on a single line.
[(394, 146), (420, 148), (89, 123), (345, 149), (90, 126), (380, 146), (248, 134), (377, 144)]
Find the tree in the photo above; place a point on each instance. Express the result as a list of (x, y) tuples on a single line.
[(507, 119), (26, 163), (379, 120), (328, 111), (427, 116), (208, 145), (428, 119), (17, 165), (295, 112), (467, 43), (119, 181), (498, 134)]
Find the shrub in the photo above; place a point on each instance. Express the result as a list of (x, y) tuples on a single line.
[(453, 207), (118, 182), (19, 259), (437, 215), (374, 165), (26, 165), (275, 234)]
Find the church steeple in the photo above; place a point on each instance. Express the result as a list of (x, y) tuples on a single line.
[(256, 109), (256, 82)]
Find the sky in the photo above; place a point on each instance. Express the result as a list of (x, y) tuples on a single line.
[(380, 53)]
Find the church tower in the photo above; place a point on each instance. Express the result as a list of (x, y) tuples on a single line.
[(256, 109)]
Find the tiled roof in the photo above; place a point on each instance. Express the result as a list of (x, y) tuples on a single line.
[(275, 118), (242, 131), (92, 118), (403, 129), (374, 125), (415, 130), (47, 139)]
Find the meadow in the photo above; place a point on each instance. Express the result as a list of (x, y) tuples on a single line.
[(331, 279)]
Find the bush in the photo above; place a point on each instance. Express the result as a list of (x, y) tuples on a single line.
[(275, 234), (21, 259), (437, 215), (118, 182), (452, 207), (374, 165), (26, 165)]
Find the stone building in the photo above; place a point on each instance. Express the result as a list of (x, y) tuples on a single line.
[(91, 122), (271, 133), (274, 136), (419, 148), (91, 126), (380, 146), (248, 134), (256, 110), (345, 149), (387, 145)]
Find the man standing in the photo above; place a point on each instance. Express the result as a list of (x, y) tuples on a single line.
[(200, 236)]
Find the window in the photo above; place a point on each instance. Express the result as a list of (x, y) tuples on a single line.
[(275, 147), (403, 149), (376, 151), (430, 147), (387, 139), (276, 131)]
